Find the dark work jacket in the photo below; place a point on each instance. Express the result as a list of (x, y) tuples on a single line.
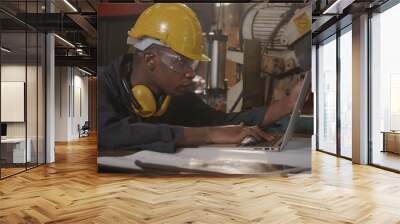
[(119, 128)]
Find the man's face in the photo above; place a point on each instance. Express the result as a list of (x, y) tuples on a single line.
[(175, 72)]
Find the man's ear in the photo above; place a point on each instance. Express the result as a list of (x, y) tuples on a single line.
[(150, 60)]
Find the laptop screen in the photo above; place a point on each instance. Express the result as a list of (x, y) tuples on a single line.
[(297, 108)]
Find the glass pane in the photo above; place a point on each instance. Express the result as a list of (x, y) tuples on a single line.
[(385, 114), (14, 153), (314, 74), (41, 98), (31, 97), (327, 96), (346, 94)]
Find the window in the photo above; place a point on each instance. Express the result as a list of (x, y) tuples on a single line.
[(327, 96), (346, 93), (385, 86)]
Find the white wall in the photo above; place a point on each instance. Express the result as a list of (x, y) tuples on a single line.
[(16, 73), (13, 73), (79, 103), (71, 94), (61, 103)]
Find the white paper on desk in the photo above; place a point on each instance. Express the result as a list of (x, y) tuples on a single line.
[(128, 162), (226, 165)]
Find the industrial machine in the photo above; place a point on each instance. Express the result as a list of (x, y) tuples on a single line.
[(281, 30), (275, 52), (275, 39)]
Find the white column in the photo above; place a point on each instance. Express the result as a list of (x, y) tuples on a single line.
[(360, 90), (50, 93)]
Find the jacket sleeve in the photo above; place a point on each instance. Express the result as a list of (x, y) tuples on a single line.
[(119, 129), (201, 114)]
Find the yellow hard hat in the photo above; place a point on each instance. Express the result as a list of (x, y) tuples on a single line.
[(174, 25)]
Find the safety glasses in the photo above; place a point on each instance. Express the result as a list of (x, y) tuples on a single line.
[(178, 63)]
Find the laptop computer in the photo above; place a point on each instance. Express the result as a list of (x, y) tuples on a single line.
[(197, 161), (280, 141)]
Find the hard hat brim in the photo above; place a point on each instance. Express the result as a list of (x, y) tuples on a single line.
[(201, 57), (197, 57), (204, 58)]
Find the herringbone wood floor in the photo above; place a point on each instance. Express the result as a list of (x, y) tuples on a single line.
[(71, 191)]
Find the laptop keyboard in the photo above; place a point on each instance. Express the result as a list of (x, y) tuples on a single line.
[(275, 141)]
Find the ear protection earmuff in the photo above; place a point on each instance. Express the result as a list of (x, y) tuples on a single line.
[(142, 100), (149, 106)]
